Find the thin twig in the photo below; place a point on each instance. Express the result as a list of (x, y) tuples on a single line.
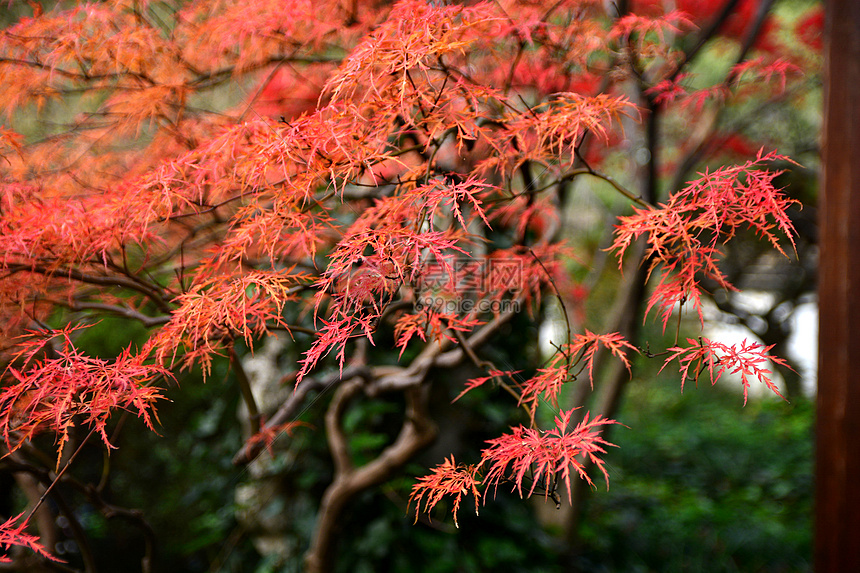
[(59, 475)]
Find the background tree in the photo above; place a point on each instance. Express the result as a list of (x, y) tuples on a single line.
[(363, 201)]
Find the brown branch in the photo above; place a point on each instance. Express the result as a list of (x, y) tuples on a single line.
[(608, 179), (416, 433), (292, 407), (151, 292), (213, 78), (488, 367), (124, 311), (61, 71), (16, 463), (705, 36), (43, 519), (56, 480), (135, 516), (245, 388), (337, 441)]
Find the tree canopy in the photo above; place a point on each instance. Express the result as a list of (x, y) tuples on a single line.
[(385, 188)]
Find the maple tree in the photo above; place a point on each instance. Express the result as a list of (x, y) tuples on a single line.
[(391, 176)]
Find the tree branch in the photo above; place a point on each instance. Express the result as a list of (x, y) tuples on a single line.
[(150, 292), (289, 410), (707, 34), (124, 311), (416, 433), (245, 389)]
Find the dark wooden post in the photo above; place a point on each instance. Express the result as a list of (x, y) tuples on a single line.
[(837, 498)]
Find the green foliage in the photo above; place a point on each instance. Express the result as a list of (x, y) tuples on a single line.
[(111, 337), (699, 486), (504, 538), (182, 479)]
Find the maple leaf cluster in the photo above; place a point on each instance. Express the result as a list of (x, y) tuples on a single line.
[(541, 459), (378, 157), (685, 233), (51, 393), (12, 535)]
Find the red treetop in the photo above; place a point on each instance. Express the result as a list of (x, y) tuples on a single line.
[(402, 165)]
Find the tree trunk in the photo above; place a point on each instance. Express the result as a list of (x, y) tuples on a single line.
[(837, 515)]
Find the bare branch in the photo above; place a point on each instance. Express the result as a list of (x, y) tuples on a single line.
[(416, 433)]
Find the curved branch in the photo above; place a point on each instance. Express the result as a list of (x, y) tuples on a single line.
[(292, 407), (337, 442), (416, 433), (62, 72), (151, 292), (618, 187), (124, 311)]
